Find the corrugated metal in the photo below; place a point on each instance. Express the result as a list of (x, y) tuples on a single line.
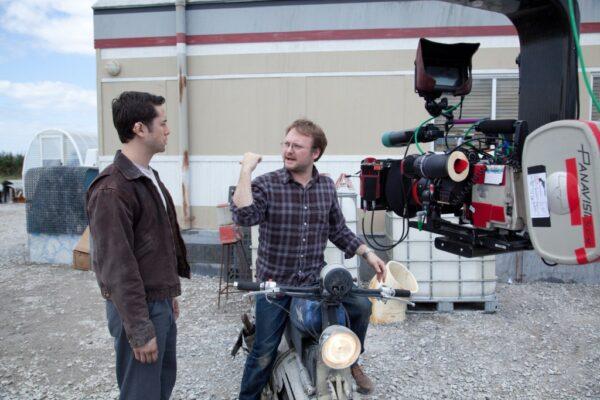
[(507, 98), (478, 104), (596, 89)]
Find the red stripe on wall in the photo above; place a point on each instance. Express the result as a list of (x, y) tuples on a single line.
[(353, 34), (573, 191), (590, 27), (347, 34), (135, 42)]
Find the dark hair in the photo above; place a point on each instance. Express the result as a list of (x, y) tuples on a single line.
[(132, 107), (309, 128)]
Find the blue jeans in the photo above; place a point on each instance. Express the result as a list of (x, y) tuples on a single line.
[(271, 318), (153, 381)]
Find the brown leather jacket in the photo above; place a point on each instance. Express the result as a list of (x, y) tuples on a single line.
[(138, 252)]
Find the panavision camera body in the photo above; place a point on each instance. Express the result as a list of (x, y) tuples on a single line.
[(511, 189)]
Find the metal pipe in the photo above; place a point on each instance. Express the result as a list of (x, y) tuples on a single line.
[(309, 389), (184, 139)]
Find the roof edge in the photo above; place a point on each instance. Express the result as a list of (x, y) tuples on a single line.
[(120, 4)]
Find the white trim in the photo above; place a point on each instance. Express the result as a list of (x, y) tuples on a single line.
[(300, 75), (495, 73), (138, 52), (491, 73), (139, 79), (494, 92), (589, 39), (156, 159)]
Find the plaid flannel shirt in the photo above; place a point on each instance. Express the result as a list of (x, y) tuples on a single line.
[(295, 224)]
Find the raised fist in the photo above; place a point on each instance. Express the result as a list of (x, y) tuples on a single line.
[(250, 161)]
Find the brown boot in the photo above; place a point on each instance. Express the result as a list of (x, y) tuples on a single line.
[(365, 386)]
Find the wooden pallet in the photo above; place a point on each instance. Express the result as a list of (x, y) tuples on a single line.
[(488, 306)]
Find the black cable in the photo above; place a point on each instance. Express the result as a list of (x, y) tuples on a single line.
[(386, 246), (548, 264), (479, 150), (405, 226), (405, 213), (378, 247), (447, 129)]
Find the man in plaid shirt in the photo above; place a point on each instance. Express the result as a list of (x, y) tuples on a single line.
[(298, 211)]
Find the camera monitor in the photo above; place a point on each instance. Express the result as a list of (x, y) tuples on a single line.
[(443, 68)]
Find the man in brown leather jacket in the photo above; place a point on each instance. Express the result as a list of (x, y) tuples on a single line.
[(138, 251)]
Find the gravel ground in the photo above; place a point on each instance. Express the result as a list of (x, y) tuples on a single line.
[(543, 343)]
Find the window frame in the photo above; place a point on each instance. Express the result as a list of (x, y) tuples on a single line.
[(594, 74)]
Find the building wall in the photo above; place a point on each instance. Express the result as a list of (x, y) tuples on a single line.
[(253, 68)]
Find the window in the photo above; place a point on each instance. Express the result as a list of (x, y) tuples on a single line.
[(495, 98), (51, 150)]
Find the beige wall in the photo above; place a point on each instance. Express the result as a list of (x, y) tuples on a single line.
[(230, 116), (233, 116)]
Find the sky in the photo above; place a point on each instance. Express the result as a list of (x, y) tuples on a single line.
[(47, 69)]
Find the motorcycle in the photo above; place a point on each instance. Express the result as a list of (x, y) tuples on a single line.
[(318, 348)]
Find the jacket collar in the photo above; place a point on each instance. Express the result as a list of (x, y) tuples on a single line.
[(127, 168), (287, 177)]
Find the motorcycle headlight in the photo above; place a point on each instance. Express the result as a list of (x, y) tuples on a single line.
[(340, 347)]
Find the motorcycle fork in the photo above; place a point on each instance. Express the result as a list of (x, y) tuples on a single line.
[(337, 383)]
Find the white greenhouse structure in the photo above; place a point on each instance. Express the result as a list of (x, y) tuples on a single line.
[(56, 147)]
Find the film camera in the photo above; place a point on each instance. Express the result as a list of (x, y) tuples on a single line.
[(511, 189)]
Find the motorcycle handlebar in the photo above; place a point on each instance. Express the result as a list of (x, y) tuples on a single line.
[(377, 292), (247, 286), (401, 293), (257, 286)]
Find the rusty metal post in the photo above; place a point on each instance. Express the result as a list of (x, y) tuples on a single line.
[(519, 267), (184, 139)]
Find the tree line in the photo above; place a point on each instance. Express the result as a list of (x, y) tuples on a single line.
[(11, 165)]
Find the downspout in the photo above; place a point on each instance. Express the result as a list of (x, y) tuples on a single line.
[(184, 139)]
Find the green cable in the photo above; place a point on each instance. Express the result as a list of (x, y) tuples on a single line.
[(466, 135), (417, 134), (450, 109), (580, 56)]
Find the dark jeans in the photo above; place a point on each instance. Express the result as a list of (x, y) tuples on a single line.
[(270, 326), (146, 381)]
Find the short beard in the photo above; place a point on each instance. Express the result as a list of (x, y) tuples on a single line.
[(299, 168)]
